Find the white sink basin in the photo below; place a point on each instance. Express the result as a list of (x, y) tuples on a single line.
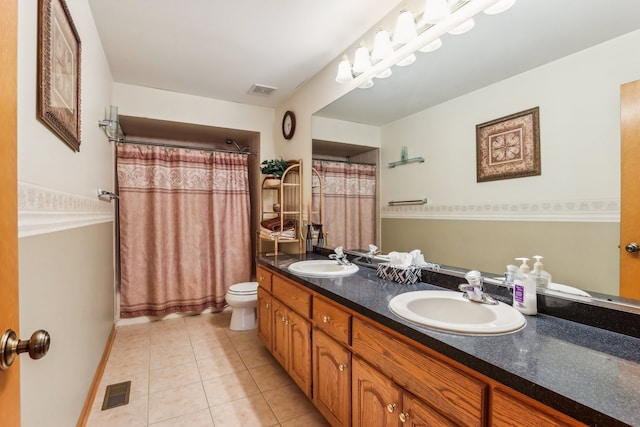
[(450, 312), (322, 268)]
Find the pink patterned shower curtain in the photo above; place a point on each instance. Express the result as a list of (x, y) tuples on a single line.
[(349, 191), (184, 228)]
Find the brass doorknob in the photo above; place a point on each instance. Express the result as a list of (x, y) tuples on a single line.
[(391, 407), (326, 319), (10, 346), (404, 416)]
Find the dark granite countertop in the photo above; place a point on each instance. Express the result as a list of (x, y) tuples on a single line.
[(589, 373)]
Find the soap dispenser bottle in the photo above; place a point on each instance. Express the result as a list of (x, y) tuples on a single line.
[(542, 277), (524, 290)]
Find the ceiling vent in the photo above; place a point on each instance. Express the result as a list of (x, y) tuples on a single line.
[(261, 90)]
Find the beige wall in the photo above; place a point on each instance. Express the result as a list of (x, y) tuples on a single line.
[(66, 287), (66, 277), (576, 254)]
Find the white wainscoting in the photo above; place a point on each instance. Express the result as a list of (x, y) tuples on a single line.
[(604, 210), (45, 210)]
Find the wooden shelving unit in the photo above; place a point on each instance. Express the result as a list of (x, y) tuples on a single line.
[(282, 202)]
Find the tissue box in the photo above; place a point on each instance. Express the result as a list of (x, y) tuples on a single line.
[(402, 275)]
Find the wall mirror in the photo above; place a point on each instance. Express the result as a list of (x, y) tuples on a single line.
[(434, 104)]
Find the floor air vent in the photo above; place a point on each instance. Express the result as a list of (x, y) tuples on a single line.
[(116, 395)]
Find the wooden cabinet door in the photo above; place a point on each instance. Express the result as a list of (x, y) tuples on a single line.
[(299, 355), (375, 399), (265, 318), (418, 414), (280, 337), (331, 379)]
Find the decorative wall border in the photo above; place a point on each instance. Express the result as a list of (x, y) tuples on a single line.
[(44, 210), (603, 210)]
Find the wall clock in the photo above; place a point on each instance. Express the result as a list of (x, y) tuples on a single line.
[(288, 125)]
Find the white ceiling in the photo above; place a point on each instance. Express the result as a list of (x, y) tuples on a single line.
[(220, 48)]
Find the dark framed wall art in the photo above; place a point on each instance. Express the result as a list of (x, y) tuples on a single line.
[(509, 147), (58, 89)]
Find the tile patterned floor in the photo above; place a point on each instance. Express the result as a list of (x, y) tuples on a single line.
[(196, 372)]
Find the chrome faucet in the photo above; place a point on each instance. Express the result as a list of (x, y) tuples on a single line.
[(474, 290), (373, 251), (340, 256)]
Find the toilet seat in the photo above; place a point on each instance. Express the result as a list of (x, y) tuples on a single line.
[(245, 288)]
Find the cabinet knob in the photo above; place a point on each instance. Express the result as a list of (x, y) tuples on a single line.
[(267, 305), (284, 319), (286, 322), (391, 407), (326, 319), (404, 416), (342, 367)]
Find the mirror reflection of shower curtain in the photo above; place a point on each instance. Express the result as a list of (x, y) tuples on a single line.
[(184, 228), (349, 193)]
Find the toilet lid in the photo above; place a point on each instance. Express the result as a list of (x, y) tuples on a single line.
[(244, 288)]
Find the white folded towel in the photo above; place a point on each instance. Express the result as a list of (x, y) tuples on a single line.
[(400, 259)]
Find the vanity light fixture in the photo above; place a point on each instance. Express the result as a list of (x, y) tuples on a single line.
[(405, 28), (366, 85), (362, 61), (437, 17), (344, 71), (407, 60), (432, 46), (499, 7), (465, 27), (381, 46), (434, 12), (383, 75)]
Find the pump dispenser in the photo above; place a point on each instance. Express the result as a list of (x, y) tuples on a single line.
[(524, 290), (542, 277)]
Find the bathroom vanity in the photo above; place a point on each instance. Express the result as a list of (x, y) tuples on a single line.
[(361, 365)]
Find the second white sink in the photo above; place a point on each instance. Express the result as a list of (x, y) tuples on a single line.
[(449, 311), (322, 268)]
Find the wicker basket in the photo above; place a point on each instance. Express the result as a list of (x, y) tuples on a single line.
[(402, 275)]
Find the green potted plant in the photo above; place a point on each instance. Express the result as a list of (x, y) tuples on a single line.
[(273, 169)]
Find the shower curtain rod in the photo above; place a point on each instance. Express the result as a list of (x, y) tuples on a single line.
[(160, 144), (344, 161)]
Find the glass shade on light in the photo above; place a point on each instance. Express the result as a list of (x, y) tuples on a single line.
[(361, 61), (381, 46), (499, 7), (435, 11), (405, 28), (465, 27), (408, 60), (384, 74), (344, 72), (430, 47)]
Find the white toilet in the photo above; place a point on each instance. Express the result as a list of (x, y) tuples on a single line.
[(243, 299)]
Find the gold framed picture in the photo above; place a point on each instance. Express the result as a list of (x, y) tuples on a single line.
[(58, 91), (509, 147)]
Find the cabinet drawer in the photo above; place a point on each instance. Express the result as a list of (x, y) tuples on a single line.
[(332, 320), (510, 409), (292, 295), (453, 393), (263, 277)]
